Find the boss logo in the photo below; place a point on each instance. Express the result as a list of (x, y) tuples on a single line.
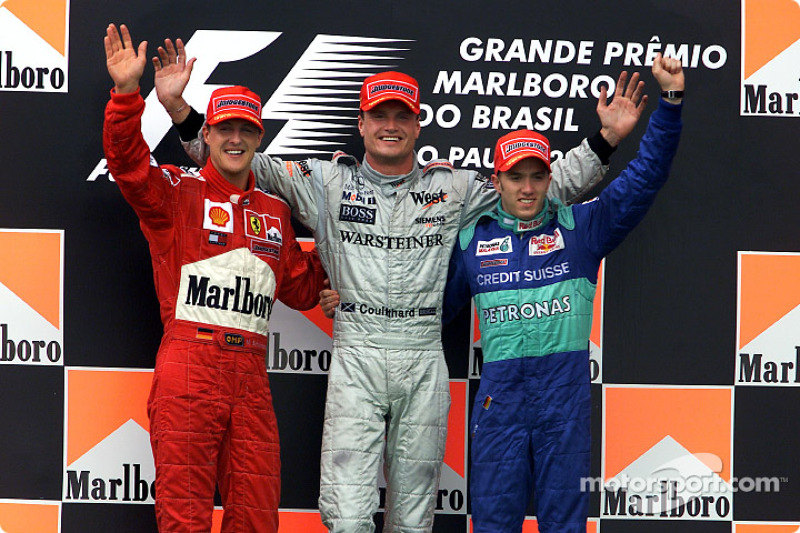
[(359, 214)]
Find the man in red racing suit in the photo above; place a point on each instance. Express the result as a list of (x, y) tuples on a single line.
[(222, 251)]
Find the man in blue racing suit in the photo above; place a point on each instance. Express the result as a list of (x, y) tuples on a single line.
[(531, 266)]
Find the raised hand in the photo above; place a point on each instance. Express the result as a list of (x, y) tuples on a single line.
[(618, 118), (172, 75), (668, 72), (124, 62)]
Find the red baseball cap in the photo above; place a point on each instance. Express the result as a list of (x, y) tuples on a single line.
[(513, 147), (234, 102), (390, 86)]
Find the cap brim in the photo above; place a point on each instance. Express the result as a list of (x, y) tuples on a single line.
[(222, 117), (505, 167), (372, 103)]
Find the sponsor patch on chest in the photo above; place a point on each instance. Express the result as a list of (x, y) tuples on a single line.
[(357, 213), (501, 245), (263, 227), (218, 216), (544, 244), (528, 225), (264, 233), (488, 263)]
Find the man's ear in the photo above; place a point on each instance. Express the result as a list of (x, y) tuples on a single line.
[(496, 181), (361, 123), (205, 133)]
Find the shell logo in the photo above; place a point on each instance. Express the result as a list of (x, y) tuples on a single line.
[(219, 217)]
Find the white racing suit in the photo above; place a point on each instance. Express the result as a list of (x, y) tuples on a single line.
[(386, 243)]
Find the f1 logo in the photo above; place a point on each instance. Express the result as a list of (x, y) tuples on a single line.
[(317, 67)]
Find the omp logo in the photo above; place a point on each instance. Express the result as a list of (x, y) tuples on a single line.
[(770, 56), (768, 348), (317, 100), (33, 45), (667, 454), (30, 517), (108, 453), (31, 294)]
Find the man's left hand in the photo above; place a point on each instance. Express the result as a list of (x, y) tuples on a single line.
[(618, 118)]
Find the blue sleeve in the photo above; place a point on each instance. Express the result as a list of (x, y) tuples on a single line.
[(456, 293), (626, 200)]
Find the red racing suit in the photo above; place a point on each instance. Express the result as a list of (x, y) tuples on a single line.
[(220, 257)]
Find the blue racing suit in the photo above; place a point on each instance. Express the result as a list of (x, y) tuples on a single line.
[(533, 283)]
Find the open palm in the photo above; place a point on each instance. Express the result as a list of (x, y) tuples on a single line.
[(124, 62), (172, 72), (619, 117)]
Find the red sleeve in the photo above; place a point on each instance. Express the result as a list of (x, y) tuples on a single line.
[(145, 185), (303, 274)]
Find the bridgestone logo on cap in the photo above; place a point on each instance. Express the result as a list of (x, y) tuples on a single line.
[(392, 87), (519, 144), (237, 102)]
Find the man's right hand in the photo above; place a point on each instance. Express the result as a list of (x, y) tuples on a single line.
[(328, 300), (172, 75), (124, 62)]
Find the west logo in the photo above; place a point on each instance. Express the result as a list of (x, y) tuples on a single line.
[(33, 45), (31, 285), (770, 55), (427, 199), (768, 349)]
